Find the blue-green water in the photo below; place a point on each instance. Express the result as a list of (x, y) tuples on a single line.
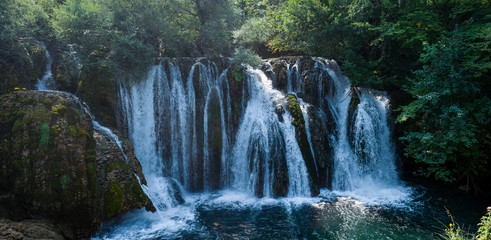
[(399, 213)]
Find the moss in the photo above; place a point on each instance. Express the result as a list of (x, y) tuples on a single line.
[(118, 165), (65, 182), (17, 125), (113, 200), (47, 102), (303, 142), (72, 130), (236, 74), (295, 111), (79, 86), (92, 176), (57, 109), (82, 132), (44, 134), (90, 155), (137, 190)]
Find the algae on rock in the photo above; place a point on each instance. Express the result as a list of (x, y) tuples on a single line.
[(58, 167)]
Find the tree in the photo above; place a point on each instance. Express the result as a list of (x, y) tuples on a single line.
[(447, 126)]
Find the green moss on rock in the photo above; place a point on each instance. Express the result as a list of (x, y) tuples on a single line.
[(51, 164), (303, 142), (113, 200), (44, 134)]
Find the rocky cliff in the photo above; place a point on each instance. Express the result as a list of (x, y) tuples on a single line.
[(55, 166)]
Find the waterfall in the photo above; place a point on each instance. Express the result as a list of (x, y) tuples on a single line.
[(179, 130), (234, 141), (46, 82), (138, 105), (180, 123), (294, 82), (370, 139), (364, 154), (264, 143)]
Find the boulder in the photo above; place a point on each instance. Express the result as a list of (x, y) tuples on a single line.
[(29, 229), (59, 168)]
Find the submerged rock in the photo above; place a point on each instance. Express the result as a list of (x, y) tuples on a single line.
[(59, 168)]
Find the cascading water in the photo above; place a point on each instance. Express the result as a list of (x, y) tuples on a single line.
[(138, 103), (294, 83), (264, 143), (46, 81), (364, 155), (370, 139), (182, 129), (177, 120)]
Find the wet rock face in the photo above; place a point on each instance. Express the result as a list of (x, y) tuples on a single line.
[(316, 84), (321, 128), (279, 164), (58, 168)]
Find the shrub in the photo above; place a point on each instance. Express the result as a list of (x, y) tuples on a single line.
[(247, 56)]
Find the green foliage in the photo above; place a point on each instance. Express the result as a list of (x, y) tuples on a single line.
[(128, 34), (21, 24), (455, 232), (449, 108), (253, 33), (246, 56), (484, 231)]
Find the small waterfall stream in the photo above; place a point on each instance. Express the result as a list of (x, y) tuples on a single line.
[(46, 82)]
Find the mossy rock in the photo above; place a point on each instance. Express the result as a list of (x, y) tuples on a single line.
[(50, 163), (303, 142)]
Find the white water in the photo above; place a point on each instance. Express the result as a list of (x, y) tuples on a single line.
[(46, 81), (294, 82), (304, 107), (168, 121), (139, 107), (259, 134), (364, 164)]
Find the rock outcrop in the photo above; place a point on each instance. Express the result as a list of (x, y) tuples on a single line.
[(59, 168), (24, 74)]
